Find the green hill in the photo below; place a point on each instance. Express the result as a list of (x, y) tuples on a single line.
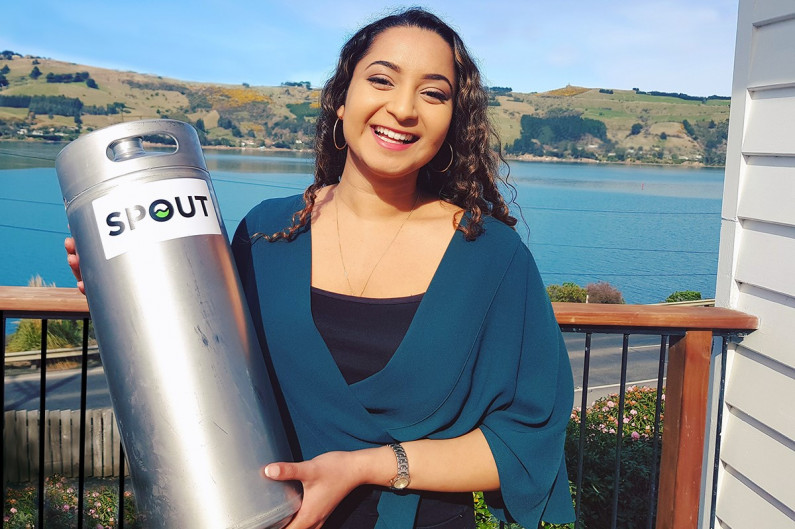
[(50, 99)]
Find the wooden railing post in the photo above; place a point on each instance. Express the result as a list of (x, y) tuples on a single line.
[(683, 434)]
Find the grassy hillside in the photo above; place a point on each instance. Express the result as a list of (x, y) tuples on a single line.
[(282, 116)]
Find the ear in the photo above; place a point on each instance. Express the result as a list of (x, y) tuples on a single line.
[(341, 112)]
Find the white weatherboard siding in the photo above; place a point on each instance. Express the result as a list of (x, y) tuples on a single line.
[(756, 274)]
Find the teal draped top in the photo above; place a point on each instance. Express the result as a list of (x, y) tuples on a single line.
[(483, 351)]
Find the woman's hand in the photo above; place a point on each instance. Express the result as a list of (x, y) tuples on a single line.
[(327, 480), (74, 262)]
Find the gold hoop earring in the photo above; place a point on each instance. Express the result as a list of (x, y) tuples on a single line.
[(452, 159), (334, 137)]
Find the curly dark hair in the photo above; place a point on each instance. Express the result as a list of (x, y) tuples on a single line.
[(471, 182)]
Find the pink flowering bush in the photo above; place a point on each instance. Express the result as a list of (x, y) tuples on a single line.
[(637, 457), (100, 505)]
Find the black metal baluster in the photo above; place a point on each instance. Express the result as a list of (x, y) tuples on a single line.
[(581, 450), (3, 401), (656, 433), (81, 480), (121, 486), (718, 431), (42, 403), (620, 428)]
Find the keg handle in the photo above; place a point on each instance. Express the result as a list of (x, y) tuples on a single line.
[(133, 147)]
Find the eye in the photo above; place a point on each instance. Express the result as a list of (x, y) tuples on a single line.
[(438, 95), (379, 81)]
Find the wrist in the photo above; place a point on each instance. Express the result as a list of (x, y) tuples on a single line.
[(374, 466)]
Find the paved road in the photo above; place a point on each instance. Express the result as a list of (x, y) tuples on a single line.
[(63, 390), (63, 387), (643, 361)]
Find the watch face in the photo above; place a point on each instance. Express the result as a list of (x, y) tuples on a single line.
[(400, 483)]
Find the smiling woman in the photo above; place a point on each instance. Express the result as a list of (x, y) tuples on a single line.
[(394, 372)]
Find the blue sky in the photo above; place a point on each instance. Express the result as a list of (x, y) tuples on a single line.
[(529, 45)]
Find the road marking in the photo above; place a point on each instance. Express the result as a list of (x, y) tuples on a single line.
[(628, 384)]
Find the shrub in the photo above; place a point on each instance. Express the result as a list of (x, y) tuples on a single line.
[(570, 292), (100, 506), (683, 295), (603, 292), (60, 333), (637, 458)]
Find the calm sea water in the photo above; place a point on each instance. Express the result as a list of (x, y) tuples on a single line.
[(649, 231)]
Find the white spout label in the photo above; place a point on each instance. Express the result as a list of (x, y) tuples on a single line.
[(136, 215)]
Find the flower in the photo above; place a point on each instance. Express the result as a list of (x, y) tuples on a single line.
[(633, 412), (635, 435), (610, 404), (13, 510)]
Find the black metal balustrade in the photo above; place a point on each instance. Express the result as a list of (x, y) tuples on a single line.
[(687, 337)]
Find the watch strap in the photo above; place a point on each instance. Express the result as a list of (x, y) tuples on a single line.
[(402, 478)]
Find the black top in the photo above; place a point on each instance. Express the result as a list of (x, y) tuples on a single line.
[(362, 334)]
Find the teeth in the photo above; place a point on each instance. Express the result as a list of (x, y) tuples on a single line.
[(397, 136)]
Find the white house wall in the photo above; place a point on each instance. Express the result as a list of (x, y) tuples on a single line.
[(756, 274)]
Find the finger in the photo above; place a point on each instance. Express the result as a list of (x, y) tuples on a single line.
[(74, 264), (281, 471)]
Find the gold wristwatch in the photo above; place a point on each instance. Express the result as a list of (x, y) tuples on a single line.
[(402, 479)]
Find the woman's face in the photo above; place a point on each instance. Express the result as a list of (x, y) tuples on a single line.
[(399, 103)]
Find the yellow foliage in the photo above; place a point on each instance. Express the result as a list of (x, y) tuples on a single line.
[(567, 91), (236, 96)]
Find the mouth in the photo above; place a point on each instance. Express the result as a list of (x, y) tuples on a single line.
[(391, 136)]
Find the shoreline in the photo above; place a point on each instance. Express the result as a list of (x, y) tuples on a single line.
[(507, 157)]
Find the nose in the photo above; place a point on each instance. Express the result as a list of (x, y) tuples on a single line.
[(402, 105)]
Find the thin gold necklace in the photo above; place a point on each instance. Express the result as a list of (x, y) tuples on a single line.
[(342, 259)]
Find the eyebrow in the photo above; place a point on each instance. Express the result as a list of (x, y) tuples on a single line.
[(430, 76)]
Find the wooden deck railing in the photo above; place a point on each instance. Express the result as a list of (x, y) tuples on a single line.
[(691, 328)]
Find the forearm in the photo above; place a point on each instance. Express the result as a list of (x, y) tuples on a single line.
[(461, 464)]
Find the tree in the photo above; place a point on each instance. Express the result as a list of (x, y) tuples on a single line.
[(570, 292), (35, 73), (636, 128), (663, 136), (91, 83), (603, 292), (5, 69), (689, 129), (3, 80), (683, 295), (200, 125)]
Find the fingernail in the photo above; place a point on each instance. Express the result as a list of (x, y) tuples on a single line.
[(272, 471)]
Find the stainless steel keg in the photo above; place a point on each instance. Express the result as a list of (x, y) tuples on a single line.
[(188, 382)]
